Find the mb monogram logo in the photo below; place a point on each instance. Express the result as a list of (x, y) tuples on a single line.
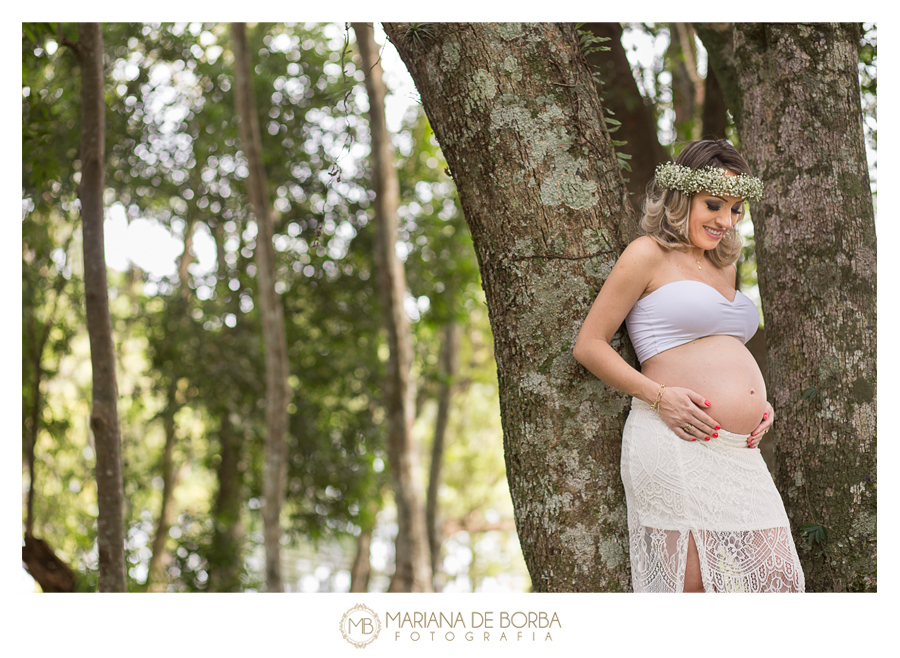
[(360, 626)]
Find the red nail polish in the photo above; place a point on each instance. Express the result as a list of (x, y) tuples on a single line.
[(693, 439), (718, 428), (765, 416), (706, 438), (715, 435), (706, 402)]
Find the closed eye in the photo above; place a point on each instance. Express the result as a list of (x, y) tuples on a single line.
[(715, 207)]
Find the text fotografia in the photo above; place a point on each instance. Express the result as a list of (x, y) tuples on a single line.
[(482, 626)]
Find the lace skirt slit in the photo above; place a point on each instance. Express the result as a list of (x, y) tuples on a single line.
[(721, 492)]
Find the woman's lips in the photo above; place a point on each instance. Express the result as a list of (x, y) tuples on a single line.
[(713, 235)]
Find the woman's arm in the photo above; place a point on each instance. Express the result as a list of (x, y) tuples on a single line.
[(678, 407), (626, 283)]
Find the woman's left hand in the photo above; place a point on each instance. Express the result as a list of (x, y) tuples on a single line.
[(757, 434)]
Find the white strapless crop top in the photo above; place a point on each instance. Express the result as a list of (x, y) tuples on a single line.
[(686, 310)]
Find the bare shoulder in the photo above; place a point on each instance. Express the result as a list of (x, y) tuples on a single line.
[(643, 252), (636, 266)]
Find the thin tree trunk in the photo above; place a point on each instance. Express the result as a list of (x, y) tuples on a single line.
[(447, 364), (520, 124), (362, 567), (620, 94), (159, 560), (37, 345), (104, 415), (412, 571), (816, 259), (225, 563), (271, 310), (156, 579)]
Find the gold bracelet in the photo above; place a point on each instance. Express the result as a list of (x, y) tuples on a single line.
[(655, 405)]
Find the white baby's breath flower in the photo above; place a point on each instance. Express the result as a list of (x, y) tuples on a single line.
[(672, 176)]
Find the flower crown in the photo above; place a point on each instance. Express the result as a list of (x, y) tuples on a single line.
[(672, 176)]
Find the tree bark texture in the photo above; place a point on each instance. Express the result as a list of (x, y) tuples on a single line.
[(271, 310), (413, 567), (816, 253), (517, 115), (620, 94), (104, 414), (447, 367)]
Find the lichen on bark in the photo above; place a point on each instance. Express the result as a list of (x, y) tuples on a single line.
[(548, 211), (802, 133)]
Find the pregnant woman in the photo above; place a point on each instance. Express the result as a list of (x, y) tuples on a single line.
[(703, 512)]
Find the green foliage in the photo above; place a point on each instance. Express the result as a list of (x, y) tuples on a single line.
[(816, 537), (188, 347), (419, 34), (807, 396), (588, 42)]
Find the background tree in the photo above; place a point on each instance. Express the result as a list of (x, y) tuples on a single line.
[(271, 311), (412, 572), (636, 116), (104, 414)]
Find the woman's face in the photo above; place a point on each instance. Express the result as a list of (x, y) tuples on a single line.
[(711, 216)]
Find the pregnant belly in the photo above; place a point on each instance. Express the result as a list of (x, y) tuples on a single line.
[(720, 369)]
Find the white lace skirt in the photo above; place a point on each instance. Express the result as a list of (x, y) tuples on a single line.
[(720, 491)]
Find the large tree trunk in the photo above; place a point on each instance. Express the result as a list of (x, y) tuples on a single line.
[(104, 414), (816, 257), (274, 338), (520, 124), (413, 570), (447, 364), (620, 94)]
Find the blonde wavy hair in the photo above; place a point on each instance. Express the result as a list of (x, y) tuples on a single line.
[(667, 213)]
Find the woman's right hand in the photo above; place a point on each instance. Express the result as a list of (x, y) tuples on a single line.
[(683, 411)]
